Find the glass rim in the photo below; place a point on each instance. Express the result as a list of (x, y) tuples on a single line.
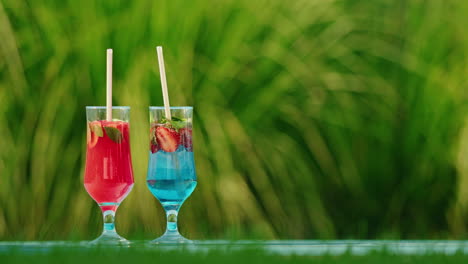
[(172, 107), (105, 107)]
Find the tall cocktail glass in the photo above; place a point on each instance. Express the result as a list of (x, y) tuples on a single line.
[(171, 174), (108, 175)]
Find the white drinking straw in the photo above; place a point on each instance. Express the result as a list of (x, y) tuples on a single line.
[(162, 72), (109, 85)]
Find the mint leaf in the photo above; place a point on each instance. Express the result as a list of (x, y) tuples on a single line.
[(175, 122), (97, 129), (162, 121), (176, 119), (178, 124), (114, 134)]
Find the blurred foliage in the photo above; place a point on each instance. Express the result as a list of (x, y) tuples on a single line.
[(313, 119)]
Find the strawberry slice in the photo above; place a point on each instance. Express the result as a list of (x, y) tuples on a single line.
[(168, 139), (186, 138), (154, 146)]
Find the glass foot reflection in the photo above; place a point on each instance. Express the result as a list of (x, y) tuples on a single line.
[(171, 237), (110, 238)]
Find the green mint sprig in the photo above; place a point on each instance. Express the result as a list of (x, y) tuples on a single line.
[(175, 122), (114, 134)]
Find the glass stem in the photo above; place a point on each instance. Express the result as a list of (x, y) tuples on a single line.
[(171, 217), (109, 218)]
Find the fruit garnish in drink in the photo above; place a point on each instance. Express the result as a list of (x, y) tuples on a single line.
[(154, 146), (96, 128), (168, 139), (171, 134), (108, 174), (186, 138), (94, 132)]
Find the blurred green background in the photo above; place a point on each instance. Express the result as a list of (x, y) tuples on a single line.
[(313, 119)]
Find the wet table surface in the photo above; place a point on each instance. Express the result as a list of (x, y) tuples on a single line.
[(282, 247)]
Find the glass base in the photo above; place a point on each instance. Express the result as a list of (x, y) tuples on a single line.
[(110, 238), (171, 237)]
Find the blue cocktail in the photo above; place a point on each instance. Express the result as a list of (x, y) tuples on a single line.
[(171, 172)]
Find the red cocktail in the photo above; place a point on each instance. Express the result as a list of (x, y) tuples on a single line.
[(108, 175)]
